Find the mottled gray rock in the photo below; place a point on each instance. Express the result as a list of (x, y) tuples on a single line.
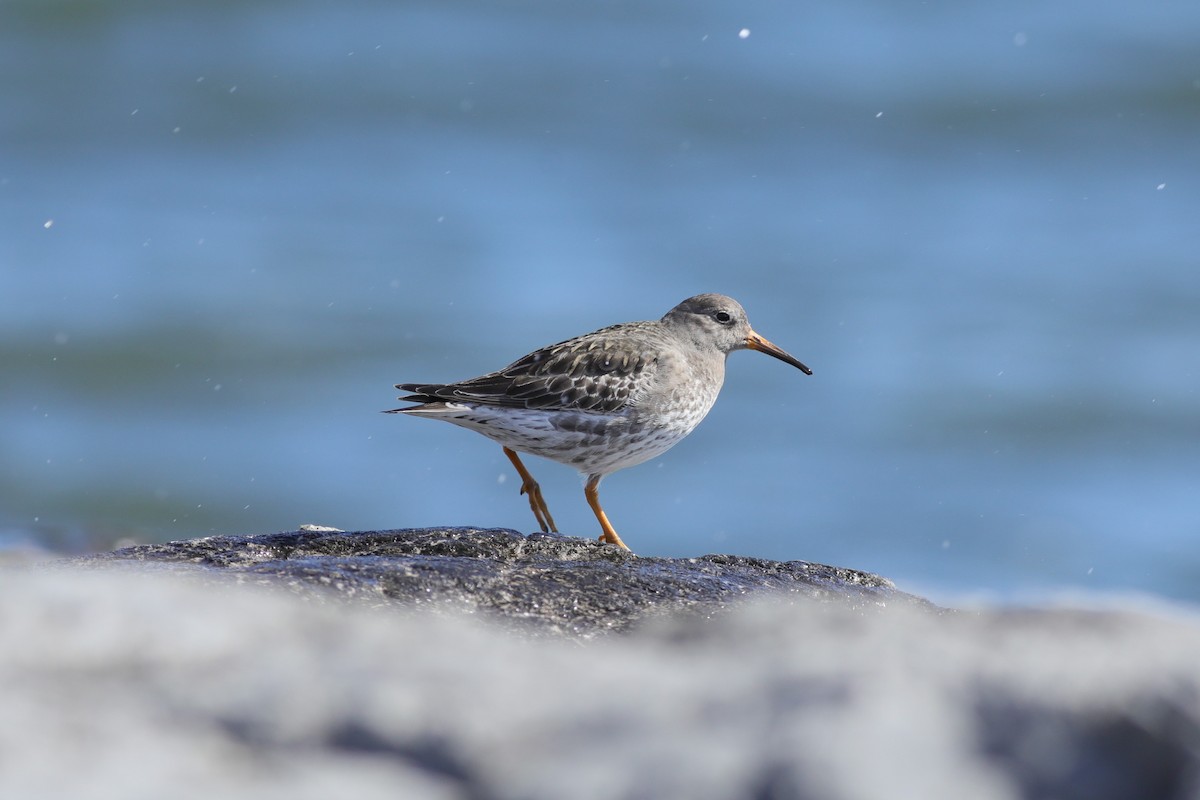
[(544, 582), (132, 681)]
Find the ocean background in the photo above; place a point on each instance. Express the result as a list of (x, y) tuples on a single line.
[(226, 229)]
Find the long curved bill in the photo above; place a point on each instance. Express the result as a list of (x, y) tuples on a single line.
[(756, 342)]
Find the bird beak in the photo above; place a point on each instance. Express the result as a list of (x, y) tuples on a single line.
[(756, 342)]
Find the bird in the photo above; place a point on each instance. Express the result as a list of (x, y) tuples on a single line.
[(602, 401)]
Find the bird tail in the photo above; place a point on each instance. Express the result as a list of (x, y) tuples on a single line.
[(421, 393)]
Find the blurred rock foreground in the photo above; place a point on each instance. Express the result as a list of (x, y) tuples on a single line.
[(485, 664)]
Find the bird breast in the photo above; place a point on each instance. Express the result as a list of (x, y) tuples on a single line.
[(686, 387)]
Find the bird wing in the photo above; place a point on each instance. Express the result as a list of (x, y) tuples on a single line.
[(597, 372)]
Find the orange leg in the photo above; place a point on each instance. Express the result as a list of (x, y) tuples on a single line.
[(530, 487), (592, 491)]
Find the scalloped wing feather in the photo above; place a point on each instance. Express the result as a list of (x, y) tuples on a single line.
[(590, 373)]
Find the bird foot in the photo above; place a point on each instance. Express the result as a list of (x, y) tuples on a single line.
[(538, 505), (530, 488), (610, 537)]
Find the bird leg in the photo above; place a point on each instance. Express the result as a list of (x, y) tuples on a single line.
[(591, 490), (530, 487)]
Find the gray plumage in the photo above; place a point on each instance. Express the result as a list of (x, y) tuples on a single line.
[(605, 400)]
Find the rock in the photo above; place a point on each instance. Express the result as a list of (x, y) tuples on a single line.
[(134, 680), (544, 583)]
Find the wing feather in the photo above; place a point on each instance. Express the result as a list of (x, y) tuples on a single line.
[(597, 372)]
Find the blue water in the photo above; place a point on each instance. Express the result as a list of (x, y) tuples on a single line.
[(226, 229)]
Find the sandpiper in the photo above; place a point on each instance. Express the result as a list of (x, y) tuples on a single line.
[(602, 401)]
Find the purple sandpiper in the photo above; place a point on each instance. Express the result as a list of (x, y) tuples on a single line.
[(602, 401)]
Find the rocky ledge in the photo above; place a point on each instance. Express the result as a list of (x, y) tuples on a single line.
[(541, 582), (391, 664)]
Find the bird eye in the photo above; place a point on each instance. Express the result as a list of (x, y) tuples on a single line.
[(723, 317)]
